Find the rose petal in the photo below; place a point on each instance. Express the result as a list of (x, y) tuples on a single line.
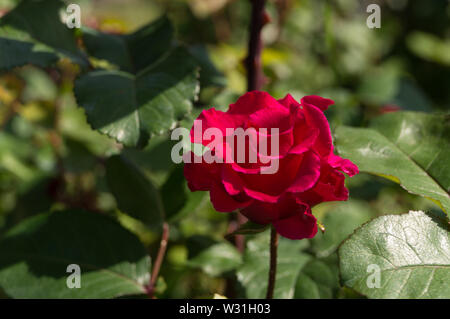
[(251, 102), (199, 175), (261, 212), (297, 226), (307, 174), (288, 101), (264, 212), (272, 117), (316, 119), (214, 119), (329, 187), (271, 186), (223, 202), (231, 181), (261, 196), (263, 145), (342, 164), (306, 140), (317, 101)]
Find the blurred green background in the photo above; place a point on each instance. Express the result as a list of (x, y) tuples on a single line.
[(50, 158)]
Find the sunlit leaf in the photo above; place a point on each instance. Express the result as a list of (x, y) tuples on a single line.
[(410, 253), (131, 108), (409, 148)]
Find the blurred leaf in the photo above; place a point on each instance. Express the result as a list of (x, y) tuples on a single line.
[(339, 222), (411, 250), (35, 255), (249, 228), (130, 108), (429, 47), (11, 162), (345, 111), (173, 192), (131, 52), (411, 97), (33, 198), (78, 157), (154, 158), (411, 149), (379, 86), (73, 126), (195, 201), (203, 9), (178, 200), (23, 38), (15, 145), (135, 194), (253, 274), (39, 85), (317, 280), (209, 75), (213, 257)]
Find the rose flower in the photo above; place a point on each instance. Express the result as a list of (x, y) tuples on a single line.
[(307, 172)]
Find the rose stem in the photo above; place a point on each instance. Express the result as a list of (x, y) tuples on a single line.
[(159, 260), (255, 76), (255, 80), (273, 263), (259, 17)]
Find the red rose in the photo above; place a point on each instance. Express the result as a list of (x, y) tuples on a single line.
[(308, 171)]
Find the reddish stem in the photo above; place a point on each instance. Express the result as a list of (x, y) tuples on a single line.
[(158, 261)]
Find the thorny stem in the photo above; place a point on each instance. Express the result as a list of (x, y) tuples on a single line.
[(159, 260), (273, 263)]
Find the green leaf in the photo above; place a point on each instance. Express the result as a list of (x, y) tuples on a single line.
[(15, 53), (249, 228), (131, 52), (178, 200), (135, 194), (130, 108), (340, 221), (411, 251), (24, 39), (213, 257), (317, 280), (209, 74), (409, 148), (174, 193), (429, 47), (39, 85), (380, 85), (254, 273), (35, 254), (411, 97)]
